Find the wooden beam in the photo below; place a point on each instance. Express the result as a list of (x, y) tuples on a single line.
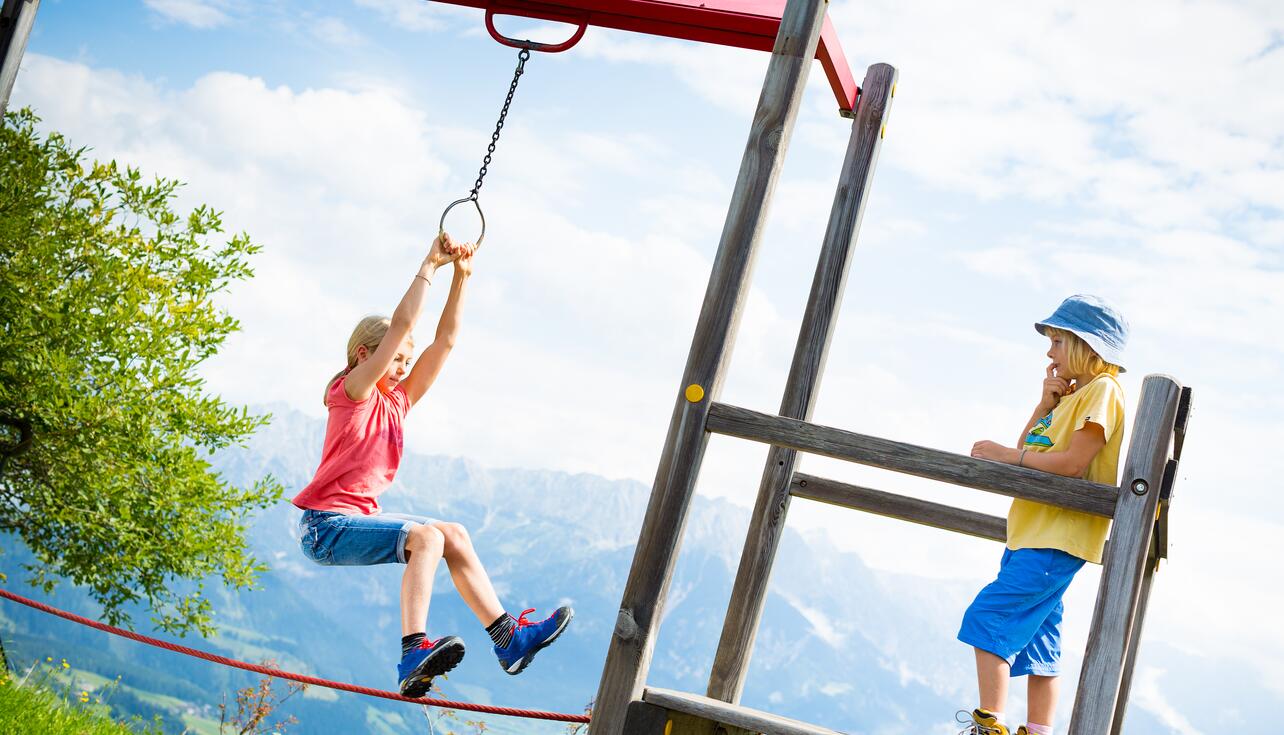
[(1179, 426), (1165, 500), (16, 19), (1125, 560), (767, 523), (1159, 550), (629, 654), (730, 714), (933, 464), (1134, 646), (645, 719), (900, 507)]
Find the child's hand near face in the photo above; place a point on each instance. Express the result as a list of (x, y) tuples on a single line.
[(1054, 387)]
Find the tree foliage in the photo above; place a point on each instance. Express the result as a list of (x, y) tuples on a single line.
[(106, 311)]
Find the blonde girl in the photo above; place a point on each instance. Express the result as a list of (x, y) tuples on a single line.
[(342, 523), (1014, 624)]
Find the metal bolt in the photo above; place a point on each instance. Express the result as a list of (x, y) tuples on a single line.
[(1140, 487), (626, 628)]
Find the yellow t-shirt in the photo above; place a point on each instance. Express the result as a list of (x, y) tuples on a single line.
[(1034, 525)]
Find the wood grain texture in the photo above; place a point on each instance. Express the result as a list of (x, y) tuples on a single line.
[(933, 464), (15, 27), (629, 653), (1125, 560), (645, 719), (900, 507), (1179, 425), (1134, 648), (731, 714), (767, 523)]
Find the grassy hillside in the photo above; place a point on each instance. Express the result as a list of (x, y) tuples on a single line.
[(48, 701)]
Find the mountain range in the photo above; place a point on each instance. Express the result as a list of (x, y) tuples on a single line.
[(840, 644)]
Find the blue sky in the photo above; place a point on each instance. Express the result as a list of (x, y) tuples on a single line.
[(1034, 151)]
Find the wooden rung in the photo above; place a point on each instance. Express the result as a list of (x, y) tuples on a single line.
[(730, 714), (900, 507), (933, 464), (1179, 425)]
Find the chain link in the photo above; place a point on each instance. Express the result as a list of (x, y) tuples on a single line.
[(522, 56)]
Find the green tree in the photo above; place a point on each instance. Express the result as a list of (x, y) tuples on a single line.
[(106, 310)]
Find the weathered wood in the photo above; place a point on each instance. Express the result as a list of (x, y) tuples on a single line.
[(767, 523), (1179, 425), (1125, 560), (629, 654), (645, 719), (1170, 473), (731, 714), (16, 19), (1165, 499), (933, 464), (1159, 550), (1134, 646), (900, 507)]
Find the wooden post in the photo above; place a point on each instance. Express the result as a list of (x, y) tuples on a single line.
[(767, 524), (1134, 643), (629, 656), (16, 19), (1159, 550), (1125, 560)]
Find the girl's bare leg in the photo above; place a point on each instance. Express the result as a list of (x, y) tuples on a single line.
[(424, 545), (992, 675), (1043, 691), (469, 575)]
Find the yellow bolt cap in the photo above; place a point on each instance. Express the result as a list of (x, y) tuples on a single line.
[(695, 393)]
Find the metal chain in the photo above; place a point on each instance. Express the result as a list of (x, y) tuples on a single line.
[(522, 56)]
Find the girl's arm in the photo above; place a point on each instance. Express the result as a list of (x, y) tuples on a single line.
[(361, 379), (433, 358), (1073, 461)]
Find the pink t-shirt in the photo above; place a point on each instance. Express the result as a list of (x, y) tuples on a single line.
[(361, 454)]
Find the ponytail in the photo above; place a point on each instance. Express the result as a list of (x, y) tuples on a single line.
[(368, 333)]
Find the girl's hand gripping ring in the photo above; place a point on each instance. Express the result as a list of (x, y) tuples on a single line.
[(441, 226)]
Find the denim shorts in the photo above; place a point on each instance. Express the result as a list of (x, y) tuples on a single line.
[(1017, 617), (339, 539)]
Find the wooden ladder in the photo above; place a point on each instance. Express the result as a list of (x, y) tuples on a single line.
[(1138, 506)]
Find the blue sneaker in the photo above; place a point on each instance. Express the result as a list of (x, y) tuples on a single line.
[(423, 662), (529, 638)]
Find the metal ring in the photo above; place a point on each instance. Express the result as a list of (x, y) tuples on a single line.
[(548, 48), (441, 226)]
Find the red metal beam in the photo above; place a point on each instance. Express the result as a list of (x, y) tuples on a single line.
[(750, 24)]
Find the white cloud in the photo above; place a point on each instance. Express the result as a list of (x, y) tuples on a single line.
[(203, 14), (1149, 695), (728, 77), (416, 15), (835, 688), (335, 32)]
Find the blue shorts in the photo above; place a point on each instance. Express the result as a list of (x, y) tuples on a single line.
[(338, 539), (1017, 617)]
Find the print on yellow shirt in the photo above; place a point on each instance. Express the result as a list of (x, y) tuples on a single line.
[(1038, 526)]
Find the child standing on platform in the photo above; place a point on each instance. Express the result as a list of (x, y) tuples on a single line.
[(342, 523), (1076, 430)]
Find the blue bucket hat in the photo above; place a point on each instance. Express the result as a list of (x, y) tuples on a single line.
[(1095, 321)]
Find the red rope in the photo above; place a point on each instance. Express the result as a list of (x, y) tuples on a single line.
[(507, 711)]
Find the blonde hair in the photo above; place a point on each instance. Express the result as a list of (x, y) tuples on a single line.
[(1081, 359), (368, 333)]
